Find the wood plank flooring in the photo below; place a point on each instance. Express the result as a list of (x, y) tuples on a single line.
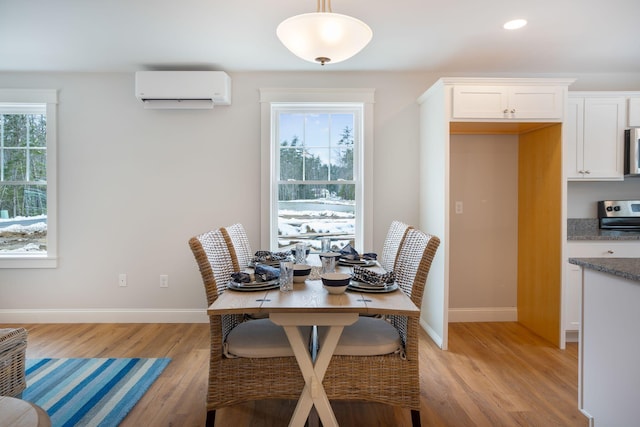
[(494, 374)]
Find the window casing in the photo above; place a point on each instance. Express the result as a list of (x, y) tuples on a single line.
[(28, 178), (316, 157)]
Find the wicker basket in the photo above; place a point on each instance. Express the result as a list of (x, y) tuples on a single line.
[(13, 343)]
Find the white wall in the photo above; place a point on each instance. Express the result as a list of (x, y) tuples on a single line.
[(484, 237), (135, 184)]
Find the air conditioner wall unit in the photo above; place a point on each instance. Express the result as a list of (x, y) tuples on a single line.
[(183, 89)]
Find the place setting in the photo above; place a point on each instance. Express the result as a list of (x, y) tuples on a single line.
[(263, 278), (349, 257), (270, 258), (368, 281)]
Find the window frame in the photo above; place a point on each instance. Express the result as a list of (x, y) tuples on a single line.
[(273, 99), (50, 98)]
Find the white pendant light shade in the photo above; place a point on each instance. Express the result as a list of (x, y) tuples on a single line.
[(324, 37)]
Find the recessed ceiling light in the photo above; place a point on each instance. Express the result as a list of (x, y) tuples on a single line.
[(515, 24)]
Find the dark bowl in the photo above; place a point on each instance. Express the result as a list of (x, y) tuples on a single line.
[(301, 270), (335, 279)]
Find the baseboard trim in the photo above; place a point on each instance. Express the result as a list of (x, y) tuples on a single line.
[(104, 316), (483, 314), (572, 336)]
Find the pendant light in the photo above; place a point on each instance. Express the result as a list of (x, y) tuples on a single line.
[(324, 36)]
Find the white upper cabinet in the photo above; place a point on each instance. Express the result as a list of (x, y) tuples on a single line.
[(515, 103), (594, 137)]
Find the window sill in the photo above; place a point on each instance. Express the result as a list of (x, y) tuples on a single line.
[(28, 262)]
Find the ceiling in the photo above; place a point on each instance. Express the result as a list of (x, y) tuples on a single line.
[(457, 36)]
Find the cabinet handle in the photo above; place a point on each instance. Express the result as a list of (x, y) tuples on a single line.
[(610, 252), (587, 172), (513, 111), (505, 111)]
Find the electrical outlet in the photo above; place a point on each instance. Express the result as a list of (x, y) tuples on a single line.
[(122, 280), (458, 207), (164, 281)]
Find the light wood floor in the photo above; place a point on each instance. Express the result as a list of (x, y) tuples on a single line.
[(494, 374)]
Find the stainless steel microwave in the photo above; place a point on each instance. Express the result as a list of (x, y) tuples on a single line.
[(632, 152)]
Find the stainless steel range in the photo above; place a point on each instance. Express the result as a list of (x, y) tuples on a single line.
[(619, 214)]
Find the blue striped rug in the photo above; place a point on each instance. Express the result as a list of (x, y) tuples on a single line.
[(89, 392)]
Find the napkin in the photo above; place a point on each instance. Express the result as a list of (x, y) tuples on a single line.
[(365, 275), (264, 273), (349, 252), (266, 256), (241, 277)]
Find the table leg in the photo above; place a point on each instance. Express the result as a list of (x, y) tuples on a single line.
[(313, 393)]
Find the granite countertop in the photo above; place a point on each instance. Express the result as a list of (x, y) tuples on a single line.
[(629, 268), (588, 229)]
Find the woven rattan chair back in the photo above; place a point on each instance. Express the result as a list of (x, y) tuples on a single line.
[(413, 262), (395, 235), (241, 248), (211, 250), (212, 254), (242, 379), (392, 379), (412, 268)]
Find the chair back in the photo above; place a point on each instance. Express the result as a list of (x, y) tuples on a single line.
[(414, 261), (241, 252), (395, 236), (211, 250)]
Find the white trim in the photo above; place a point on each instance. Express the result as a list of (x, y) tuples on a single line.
[(141, 315), (50, 98), (363, 96), (500, 81), (432, 333), (483, 314), (29, 261)]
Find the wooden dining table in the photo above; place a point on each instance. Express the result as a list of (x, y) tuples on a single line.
[(307, 305)]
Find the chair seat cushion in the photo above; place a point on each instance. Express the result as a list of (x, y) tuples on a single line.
[(259, 339), (368, 336)]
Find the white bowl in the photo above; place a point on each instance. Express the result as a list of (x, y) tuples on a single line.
[(335, 290), (301, 272), (335, 279)]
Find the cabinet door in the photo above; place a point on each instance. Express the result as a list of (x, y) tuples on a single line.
[(572, 285), (479, 102), (572, 135), (508, 102), (572, 294), (535, 102), (604, 137)]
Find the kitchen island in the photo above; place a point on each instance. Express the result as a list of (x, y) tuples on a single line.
[(609, 372)]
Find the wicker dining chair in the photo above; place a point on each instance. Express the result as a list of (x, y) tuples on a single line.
[(393, 241), (241, 245), (248, 360), (377, 359)]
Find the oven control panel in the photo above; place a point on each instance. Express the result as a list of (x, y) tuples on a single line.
[(618, 208), (619, 214)]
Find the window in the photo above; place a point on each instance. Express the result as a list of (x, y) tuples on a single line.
[(27, 178), (317, 179)]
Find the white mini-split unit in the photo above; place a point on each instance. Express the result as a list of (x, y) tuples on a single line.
[(183, 89)]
